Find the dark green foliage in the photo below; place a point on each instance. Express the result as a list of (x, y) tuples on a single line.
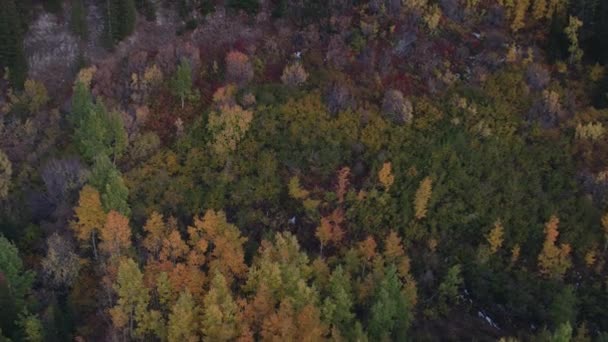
[(78, 19), (563, 307), (12, 55), (96, 131), (14, 274), (120, 19), (249, 6), (146, 7), (181, 83), (108, 181), (15, 284), (8, 310), (279, 9), (557, 42), (338, 306), (53, 6), (390, 315), (82, 103), (205, 6)]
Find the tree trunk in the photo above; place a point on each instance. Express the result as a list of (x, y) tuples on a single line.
[(94, 244)]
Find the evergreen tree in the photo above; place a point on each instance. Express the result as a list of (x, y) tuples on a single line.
[(53, 6), (96, 132), (390, 315), (338, 306), (249, 6), (82, 102), (78, 20), (181, 83), (13, 273), (12, 55), (32, 327), (24, 9), (15, 283), (146, 7), (108, 180), (115, 195), (120, 19)]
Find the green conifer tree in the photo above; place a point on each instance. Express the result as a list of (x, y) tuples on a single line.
[(78, 19), (12, 56), (120, 19)]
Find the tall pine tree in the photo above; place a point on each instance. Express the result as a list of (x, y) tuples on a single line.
[(120, 19), (78, 19), (12, 56)]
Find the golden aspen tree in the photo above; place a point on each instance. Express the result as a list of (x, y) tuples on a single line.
[(423, 195), (385, 175), (554, 261), (295, 189), (519, 14), (115, 235), (133, 299), (164, 290), (394, 252), (228, 127), (512, 53), (393, 249), (183, 320), (539, 9), (555, 6), (571, 31), (324, 233), (591, 257), (495, 237), (156, 231), (432, 16), (418, 5), (89, 215)]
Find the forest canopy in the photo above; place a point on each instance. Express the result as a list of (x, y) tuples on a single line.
[(278, 170)]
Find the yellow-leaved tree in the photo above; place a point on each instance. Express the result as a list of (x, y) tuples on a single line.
[(227, 255), (554, 261), (423, 195), (89, 216), (228, 126), (386, 176), (220, 312), (130, 312), (495, 237), (183, 320)]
